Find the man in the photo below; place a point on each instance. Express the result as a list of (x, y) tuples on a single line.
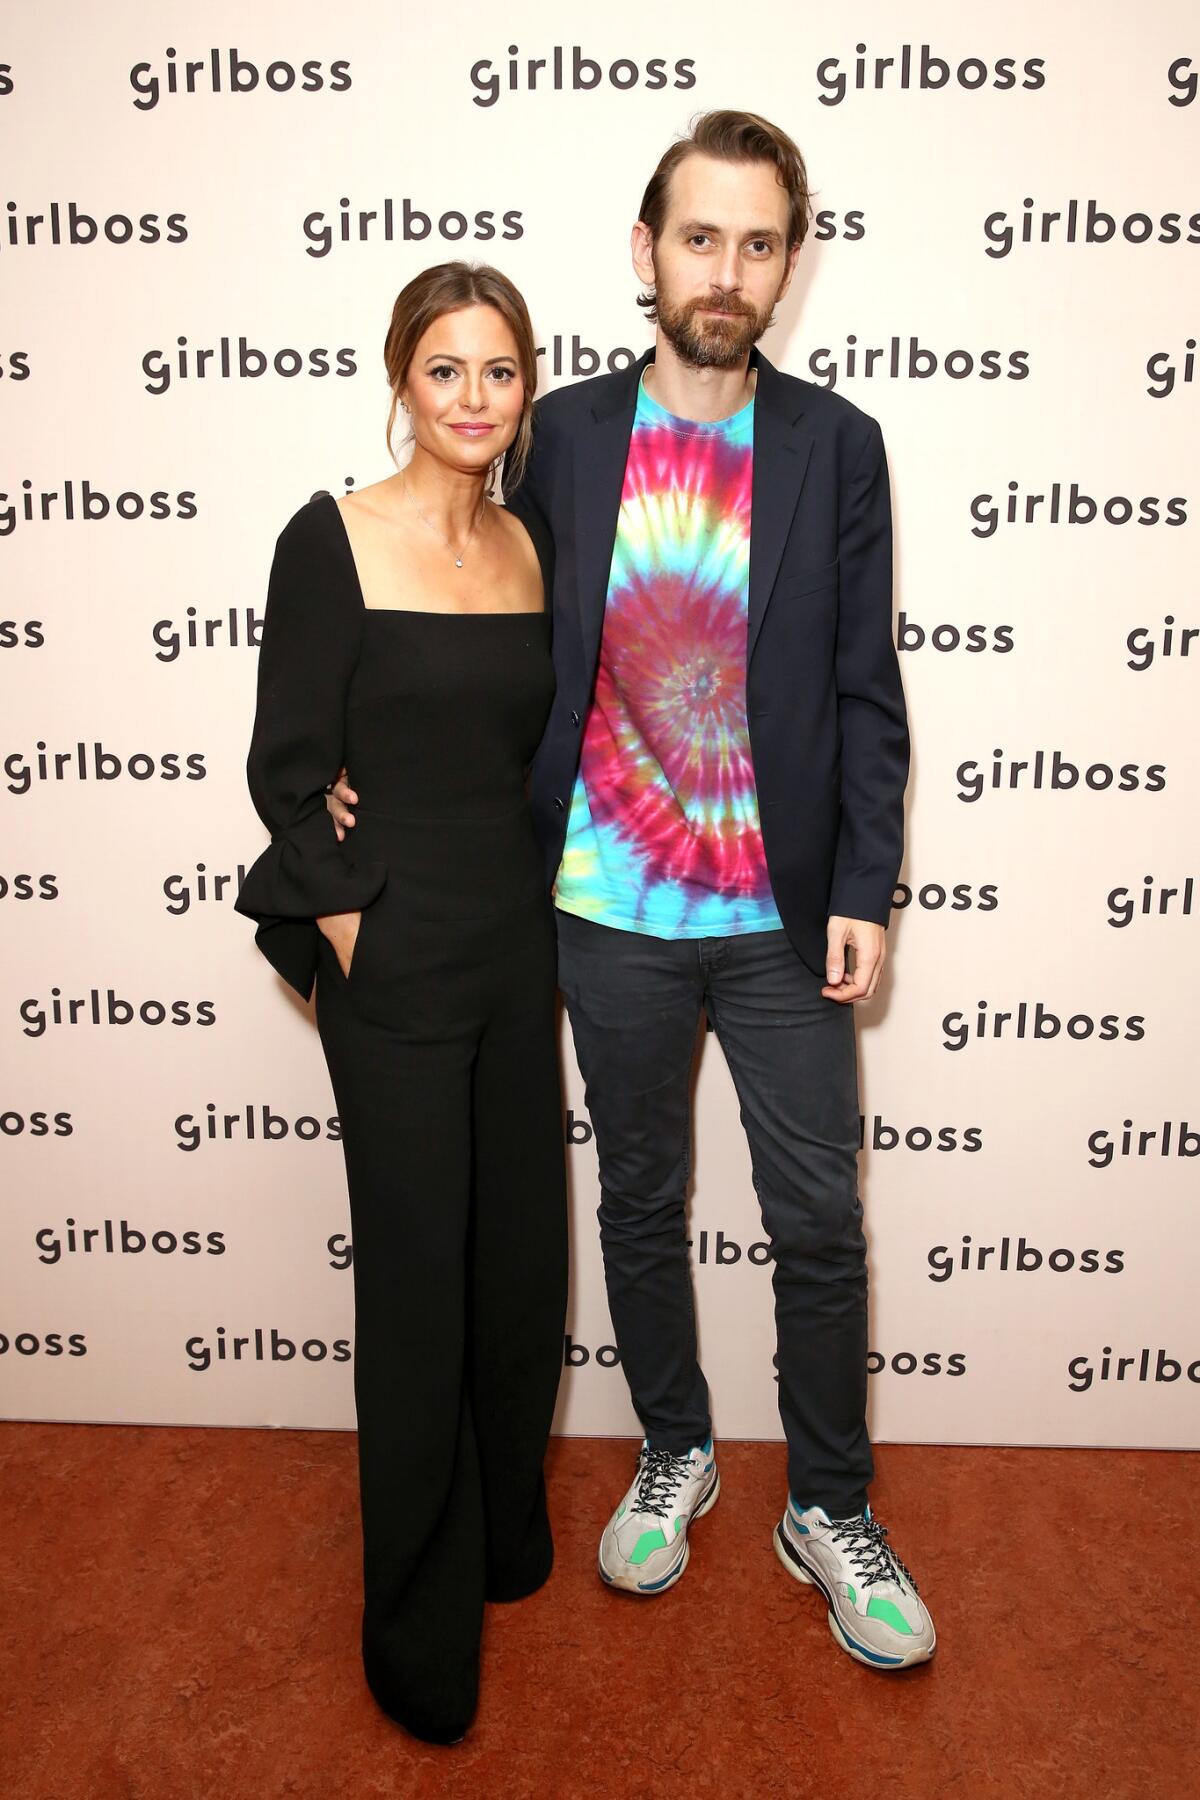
[(720, 796)]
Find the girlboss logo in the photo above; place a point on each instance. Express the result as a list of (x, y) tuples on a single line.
[(908, 359), (92, 762), (80, 227), (224, 71), (1164, 370), (925, 71), (1045, 1024), (1174, 1137), (262, 1345), (117, 1237), (1181, 78), (404, 220), (197, 362), (1155, 900), (578, 72), (1057, 774), (1080, 509), (89, 504), (1023, 1258), (28, 1343), (38, 1124), (1082, 1372), (1085, 222), (107, 1007), (252, 1123), (1144, 645)]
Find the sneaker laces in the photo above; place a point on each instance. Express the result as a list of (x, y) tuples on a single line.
[(659, 1475), (865, 1544)]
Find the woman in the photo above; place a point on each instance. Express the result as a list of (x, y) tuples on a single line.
[(406, 635)]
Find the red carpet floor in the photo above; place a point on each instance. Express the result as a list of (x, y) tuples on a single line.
[(180, 1618)]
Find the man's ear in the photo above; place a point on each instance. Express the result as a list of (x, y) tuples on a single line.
[(641, 245)]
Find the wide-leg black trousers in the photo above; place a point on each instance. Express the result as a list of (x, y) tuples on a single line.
[(442, 1054)]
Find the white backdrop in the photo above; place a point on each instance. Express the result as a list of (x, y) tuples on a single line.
[(1017, 240)]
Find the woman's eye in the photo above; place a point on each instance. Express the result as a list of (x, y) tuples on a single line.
[(444, 372), (503, 376)]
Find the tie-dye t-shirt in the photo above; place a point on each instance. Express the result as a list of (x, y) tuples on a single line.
[(663, 835)]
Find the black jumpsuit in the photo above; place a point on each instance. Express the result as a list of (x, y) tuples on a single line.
[(442, 1055)]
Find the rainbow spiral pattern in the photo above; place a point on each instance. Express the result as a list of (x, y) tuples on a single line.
[(663, 834)]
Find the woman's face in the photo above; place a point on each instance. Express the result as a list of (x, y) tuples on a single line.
[(464, 388)]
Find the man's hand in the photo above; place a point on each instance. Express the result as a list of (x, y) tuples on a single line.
[(868, 941), (340, 797)]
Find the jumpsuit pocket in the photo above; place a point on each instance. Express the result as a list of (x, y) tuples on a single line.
[(353, 973)]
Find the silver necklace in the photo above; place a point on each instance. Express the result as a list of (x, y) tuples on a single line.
[(458, 560)]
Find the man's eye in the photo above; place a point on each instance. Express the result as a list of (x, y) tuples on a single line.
[(761, 245), (699, 237)]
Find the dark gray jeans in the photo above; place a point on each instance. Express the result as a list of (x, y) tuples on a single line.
[(634, 1003)]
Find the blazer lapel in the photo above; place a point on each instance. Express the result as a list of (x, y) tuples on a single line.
[(601, 452), (781, 457)]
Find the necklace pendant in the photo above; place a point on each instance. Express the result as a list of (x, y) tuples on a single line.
[(458, 562)]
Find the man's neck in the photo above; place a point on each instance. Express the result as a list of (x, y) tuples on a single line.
[(705, 396)]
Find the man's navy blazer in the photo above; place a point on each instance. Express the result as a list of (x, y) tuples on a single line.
[(825, 706)]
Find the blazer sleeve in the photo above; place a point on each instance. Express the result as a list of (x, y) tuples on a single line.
[(310, 644), (871, 713)]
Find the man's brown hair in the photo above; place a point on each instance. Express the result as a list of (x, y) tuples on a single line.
[(738, 137)]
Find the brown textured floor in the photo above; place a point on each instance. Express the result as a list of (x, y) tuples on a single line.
[(180, 1619)]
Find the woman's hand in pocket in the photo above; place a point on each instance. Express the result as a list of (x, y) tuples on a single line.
[(342, 931)]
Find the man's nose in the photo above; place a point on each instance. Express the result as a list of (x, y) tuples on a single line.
[(729, 271)]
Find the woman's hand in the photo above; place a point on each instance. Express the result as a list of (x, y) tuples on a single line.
[(340, 797), (342, 931)]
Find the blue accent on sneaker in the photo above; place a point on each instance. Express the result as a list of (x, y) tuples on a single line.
[(875, 1656), (652, 1587)]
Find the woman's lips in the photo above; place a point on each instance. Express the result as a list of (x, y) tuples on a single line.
[(472, 430)]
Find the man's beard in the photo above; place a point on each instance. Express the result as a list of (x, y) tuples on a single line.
[(707, 342)]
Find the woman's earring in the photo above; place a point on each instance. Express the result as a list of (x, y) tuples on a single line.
[(404, 405)]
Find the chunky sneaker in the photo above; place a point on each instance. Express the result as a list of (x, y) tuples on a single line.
[(644, 1548), (874, 1611)]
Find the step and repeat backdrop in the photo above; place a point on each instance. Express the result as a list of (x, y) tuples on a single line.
[(206, 216)]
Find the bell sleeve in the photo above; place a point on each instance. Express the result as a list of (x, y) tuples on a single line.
[(311, 637)]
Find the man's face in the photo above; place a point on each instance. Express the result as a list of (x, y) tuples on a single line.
[(720, 264)]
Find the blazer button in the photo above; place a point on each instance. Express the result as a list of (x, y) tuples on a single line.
[(574, 718), (558, 805)]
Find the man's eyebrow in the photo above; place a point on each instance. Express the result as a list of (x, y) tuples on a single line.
[(765, 231)]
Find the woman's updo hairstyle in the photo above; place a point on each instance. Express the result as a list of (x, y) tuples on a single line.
[(446, 288)]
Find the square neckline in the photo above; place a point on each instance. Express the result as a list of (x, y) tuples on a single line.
[(418, 612)]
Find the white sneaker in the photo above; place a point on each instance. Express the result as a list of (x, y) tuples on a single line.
[(645, 1546), (875, 1613)]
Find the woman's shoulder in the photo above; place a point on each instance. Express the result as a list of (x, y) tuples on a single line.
[(313, 564), (316, 521)]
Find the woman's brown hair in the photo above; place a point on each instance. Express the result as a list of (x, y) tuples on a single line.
[(449, 287)]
